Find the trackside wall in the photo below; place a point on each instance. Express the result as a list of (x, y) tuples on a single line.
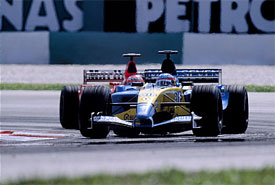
[(24, 48), (99, 31), (216, 49), (106, 48)]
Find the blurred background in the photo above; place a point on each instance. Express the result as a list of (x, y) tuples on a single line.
[(211, 32)]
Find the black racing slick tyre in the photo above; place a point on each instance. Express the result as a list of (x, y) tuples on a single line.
[(93, 99), (68, 108), (206, 102), (235, 116)]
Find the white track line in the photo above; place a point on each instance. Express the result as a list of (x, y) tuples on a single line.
[(6, 135)]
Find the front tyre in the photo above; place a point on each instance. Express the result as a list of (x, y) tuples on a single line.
[(93, 99), (236, 114), (206, 102)]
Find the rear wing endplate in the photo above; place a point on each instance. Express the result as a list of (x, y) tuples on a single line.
[(188, 75)]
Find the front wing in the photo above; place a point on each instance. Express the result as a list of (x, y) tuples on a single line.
[(115, 121)]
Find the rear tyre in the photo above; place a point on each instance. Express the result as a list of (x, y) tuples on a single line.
[(68, 109), (206, 102), (126, 132), (235, 120), (93, 99)]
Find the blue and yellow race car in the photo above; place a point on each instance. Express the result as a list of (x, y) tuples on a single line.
[(163, 101)]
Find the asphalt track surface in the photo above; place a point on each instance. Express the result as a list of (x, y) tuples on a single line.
[(73, 74), (33, 144)]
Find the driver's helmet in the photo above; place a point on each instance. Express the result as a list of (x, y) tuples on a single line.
[(135, 80), (166, 79)]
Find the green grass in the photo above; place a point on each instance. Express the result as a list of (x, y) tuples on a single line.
[(38, 87), (20, 86), (265, 176), (255, 88)]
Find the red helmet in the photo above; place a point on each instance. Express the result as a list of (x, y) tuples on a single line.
[(135, 80)]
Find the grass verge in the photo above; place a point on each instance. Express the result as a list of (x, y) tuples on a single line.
[(20, 86), (255, 88), (38, 87), (265, 176)]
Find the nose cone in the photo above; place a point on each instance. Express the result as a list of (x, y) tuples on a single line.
[(145, 111)]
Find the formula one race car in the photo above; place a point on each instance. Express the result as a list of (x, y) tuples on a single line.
[(167, 103)]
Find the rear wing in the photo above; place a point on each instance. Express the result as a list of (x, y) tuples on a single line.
[(104, 75), (151, 75), (188, 75)]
